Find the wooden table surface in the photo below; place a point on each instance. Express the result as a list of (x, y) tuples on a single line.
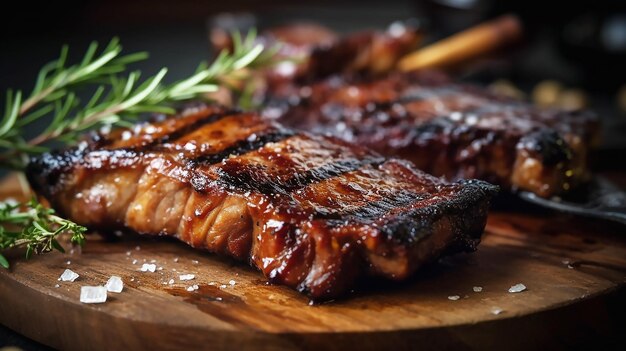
[(574, 271)]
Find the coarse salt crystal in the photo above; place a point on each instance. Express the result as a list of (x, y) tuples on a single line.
[(517, 288), (68, 262), (93, 294), (496, 310), (232, 282), (115, 284), (176, 259), (477, 288), (187, 277), (57, 286), (454, 297), (134, 261), (222, 286), (68, 276), (171, 282), (193, 288), (147, 267), (194, 261), (128, 253)]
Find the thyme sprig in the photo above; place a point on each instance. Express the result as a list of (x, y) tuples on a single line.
[(36, 227), (117, 98)]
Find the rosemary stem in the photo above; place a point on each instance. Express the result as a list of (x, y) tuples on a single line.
[(24, 186), (34, 100)]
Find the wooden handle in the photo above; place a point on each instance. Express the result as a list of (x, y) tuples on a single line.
[(465, 45)]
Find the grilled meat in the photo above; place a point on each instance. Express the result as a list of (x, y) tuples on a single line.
[(447, 129), (316, 52), (311, 212)]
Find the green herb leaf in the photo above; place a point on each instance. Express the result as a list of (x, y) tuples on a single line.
[(3, 262), (36, 227)]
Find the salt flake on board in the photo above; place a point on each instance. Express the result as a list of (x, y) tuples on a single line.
[(93, 294), (148, 267), (517, 288), (68, 276), (187, 277), (115, 284)]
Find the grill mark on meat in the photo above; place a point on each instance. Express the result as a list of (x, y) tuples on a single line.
[(146, 133), (187, 128), (271, 135), (370, 211), (250, 178), (413, 224)]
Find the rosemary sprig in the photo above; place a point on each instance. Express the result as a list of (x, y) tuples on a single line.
[(36, 227), (117, 99)]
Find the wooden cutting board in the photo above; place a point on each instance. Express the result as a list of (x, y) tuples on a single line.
[(564, 262)]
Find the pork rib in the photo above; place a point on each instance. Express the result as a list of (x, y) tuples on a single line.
[(311, 212), (448, 129)]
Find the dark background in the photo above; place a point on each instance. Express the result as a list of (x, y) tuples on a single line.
[(581, 44)]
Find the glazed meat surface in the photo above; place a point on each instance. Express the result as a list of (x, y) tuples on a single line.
[(314, 213), (447, 129)]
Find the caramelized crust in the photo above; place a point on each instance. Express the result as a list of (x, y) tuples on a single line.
[(452, 130), (311, 212)]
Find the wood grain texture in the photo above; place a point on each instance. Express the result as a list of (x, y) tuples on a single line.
[(563, 261)]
